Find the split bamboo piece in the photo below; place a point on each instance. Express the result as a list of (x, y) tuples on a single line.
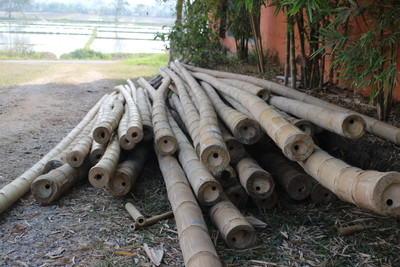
[(213, 152), (21, 185), (266, 203), (164, 139), (134, 133), (248, 87), (227, 177), (109, 121), (235, 148), (136, 214), (370, 190), (197, 247), (294, 143), (206, 188), (49, 187), (297, 184), (373, 126), (320, 194), (237, 194), (192, 117), (257, 182), (245, 129), (124, 142), (347, 125), (145, 114), (236, 231), (100, 174), (96, 152), (128, 171)]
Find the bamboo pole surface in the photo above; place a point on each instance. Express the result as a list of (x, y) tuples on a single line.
[(245, 129), (21, 185), (135, 214), (49, 187), (128, 171), (294, 143), (257, 182), (96, 152), (304, 125), (197, 247), (236, 231), (213, 152), (145, 114), (206, 188), (100, 174), (374, 126), (297, 184), (124, 142), (370, 190), (248, 87), (235, 148), (347, 125)]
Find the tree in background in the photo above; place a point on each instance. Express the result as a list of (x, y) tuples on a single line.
[(11, 6), (120, 9)]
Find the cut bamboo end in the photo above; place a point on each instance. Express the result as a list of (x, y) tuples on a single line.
[(44, 190), (214, 157), (126, 144), (263, 94), (98, 176), (167, 145), (101, 135), (134, 134), (266, 203), (305, 126), (53, 164), (147, 132), (227, 177), (353, 126), (96, 154), (209, 193), (75, 158), (298, 146), (235, 149), (248, 131), (299, 186), (237, 195), (135, 213), (321, 195), (120, 184)]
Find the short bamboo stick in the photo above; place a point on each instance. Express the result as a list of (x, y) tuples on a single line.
[(262, 93), (257, 182), (194, 239), (236, 231), (100, 174), (128, 171), (136, 214), (154, 219)]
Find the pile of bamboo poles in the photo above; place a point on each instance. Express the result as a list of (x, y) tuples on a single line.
[(221, 140)]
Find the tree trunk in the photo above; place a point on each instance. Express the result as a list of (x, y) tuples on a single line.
[(300, 25), (292, 54)]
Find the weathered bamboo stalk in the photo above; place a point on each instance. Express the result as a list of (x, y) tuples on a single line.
[(100, 174), (245, 129), (237, 195), (235, 148), (347, 125), (236, 231), (135, 214), (145, 114), (370, 190), (124, 142), (49, 187), (21, 185), (213, 152), (192, 117), (297, 184), (266, 203), (373, 126), (197, 247), (257, 182), (248, 87), (134, 132), (320, 194), (294, 143), (109, 122), (128, 171), (206, 188), (96, 152)]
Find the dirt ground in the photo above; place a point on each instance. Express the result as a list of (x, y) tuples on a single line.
[(89, 227)]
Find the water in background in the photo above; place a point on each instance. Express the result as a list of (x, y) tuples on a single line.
[(60, 38)]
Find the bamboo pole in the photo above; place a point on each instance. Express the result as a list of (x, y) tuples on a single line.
[(227, 177), (136, 214), (128, 171), (376, 127), (321, 195), (235, 148), (100, 174), (370, 190), (213, 152), (266, 203), (206, 188), (245, 129), (124, 142), (236, 231), (49, 187), (297, 184), (294, 143), (96, 152), (195, 242), (347, 125), (257, 182), (21, 185), (237, 195), (109, 121), (248, 87), (145, 114)]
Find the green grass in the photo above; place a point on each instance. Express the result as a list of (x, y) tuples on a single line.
[(149, 60), (7, 55)]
